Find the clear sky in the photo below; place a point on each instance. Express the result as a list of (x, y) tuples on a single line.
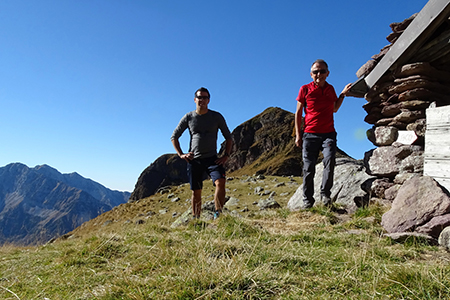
[(97, 86)]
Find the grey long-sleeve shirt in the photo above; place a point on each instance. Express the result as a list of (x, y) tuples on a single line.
[(203, 130)]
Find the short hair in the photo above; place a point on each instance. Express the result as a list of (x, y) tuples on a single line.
[(202, 89), (320, 61)]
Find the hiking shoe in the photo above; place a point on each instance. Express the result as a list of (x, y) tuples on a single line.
[(216, 214), (307, 204), (326, 200)]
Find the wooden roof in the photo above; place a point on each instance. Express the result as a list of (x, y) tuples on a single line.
[(411, 43)]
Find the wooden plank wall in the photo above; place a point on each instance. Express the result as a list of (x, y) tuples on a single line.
[(437, 145)]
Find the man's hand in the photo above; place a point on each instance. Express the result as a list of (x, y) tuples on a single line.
[(222, 160), (298, 141), (346, 89), (187, 157)]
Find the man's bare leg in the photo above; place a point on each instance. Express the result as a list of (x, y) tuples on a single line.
[(196, 203), (219, 196)]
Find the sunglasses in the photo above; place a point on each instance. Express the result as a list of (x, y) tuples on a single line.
[(202, 97), (321, 71)]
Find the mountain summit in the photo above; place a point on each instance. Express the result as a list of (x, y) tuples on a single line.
[(38, 204)]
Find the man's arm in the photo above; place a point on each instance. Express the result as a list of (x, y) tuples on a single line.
[(182, 126), (339, 101), (298, 124)]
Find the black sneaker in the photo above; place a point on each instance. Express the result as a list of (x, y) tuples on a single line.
[(326, 200), (307, 204)]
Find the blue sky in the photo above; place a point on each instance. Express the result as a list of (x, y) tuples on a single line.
[(97, 87)]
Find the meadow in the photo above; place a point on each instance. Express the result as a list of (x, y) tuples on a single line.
[(270, 254)]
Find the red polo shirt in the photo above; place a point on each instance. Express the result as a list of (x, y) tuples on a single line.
[(318, 104)]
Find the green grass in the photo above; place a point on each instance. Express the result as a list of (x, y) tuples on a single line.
[(227, 259), (274, 254)]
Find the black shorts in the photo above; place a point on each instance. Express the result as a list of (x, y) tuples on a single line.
[(198, 168)]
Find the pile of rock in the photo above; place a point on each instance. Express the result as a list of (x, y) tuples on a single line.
[(399, 99), (398, 102)]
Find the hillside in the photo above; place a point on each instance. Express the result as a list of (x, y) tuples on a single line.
[(132, 252), (164, 207)]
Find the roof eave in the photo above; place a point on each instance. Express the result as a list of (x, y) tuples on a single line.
[(434, 13)]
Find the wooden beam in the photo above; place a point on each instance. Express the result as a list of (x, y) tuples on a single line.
[(434, 49)]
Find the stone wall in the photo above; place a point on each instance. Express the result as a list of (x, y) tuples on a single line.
[(396, 107), (399, 101)]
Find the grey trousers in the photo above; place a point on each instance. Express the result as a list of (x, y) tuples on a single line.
[(313, 143)]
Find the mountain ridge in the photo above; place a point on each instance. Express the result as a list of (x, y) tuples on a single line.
[(40, 203)]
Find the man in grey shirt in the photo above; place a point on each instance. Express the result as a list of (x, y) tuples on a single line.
[(203, 125)]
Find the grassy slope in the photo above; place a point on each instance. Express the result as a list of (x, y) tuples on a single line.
[(273, 254)]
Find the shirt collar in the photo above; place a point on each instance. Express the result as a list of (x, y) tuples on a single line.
[(312, 84)]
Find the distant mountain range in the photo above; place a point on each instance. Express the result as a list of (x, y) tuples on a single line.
[(38, 204)]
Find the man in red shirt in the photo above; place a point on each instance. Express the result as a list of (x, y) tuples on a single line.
[(319, 101)]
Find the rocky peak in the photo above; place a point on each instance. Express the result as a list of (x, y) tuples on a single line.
[(266, 143)]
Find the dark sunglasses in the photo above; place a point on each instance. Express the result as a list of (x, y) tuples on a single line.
[(321, 71), (202, 97)]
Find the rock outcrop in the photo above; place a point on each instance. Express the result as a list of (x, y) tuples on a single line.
[(168, 169), (350, 188)]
